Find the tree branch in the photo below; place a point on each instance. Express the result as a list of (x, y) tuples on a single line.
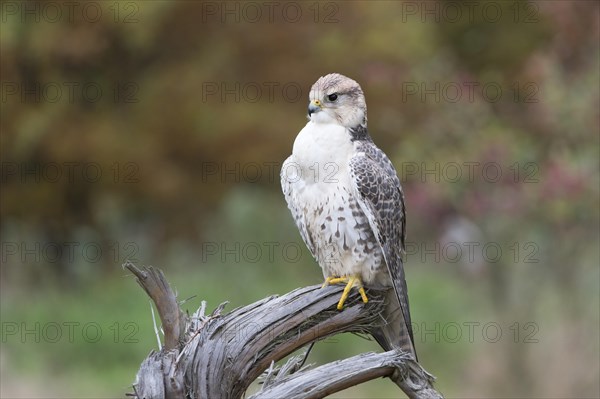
[(155, 284), (219, 356)]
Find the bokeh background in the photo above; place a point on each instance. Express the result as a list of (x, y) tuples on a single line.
[(154, 131)]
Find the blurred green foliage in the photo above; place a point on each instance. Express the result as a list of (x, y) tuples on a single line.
[(192, 90)]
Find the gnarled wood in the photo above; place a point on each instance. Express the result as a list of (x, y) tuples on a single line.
[(219, 356), (336, 376)]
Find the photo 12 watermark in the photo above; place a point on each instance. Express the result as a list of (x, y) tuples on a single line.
[(239, 172), (469, 91), (70, 332), (51, 12), (270, 12), (469, 172), (69, 92), (28, 252), (251, 252), (251, 92), (490, 332), (469, 11), (469, 252), (69, 172)]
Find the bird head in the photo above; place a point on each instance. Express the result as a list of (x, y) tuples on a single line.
[(335, 98)]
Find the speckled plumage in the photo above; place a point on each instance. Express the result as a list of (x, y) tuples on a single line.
[(347, 201)]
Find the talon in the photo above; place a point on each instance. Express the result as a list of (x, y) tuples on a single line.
[(346, 292), (338, 280), (327, 281), (350, 281), (363, 294)]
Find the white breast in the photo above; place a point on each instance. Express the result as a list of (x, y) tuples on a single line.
[(318, 172), (320, 143)]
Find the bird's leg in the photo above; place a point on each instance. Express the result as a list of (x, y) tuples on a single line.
[(337, 280), (350, 282), (361, 291), (328, 281), (346, 292)]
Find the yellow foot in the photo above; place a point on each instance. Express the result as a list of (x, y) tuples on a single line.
[(328, 281), (350, 282)]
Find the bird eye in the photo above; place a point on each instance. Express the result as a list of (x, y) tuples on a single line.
[(332, 97)]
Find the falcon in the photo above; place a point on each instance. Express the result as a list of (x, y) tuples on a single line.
[(347, 202)]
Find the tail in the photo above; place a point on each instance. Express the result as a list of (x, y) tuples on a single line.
[(395, 333)]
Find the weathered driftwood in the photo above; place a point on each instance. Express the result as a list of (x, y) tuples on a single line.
[(220, 355)]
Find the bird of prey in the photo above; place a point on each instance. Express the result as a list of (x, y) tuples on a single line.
[(347, 202)]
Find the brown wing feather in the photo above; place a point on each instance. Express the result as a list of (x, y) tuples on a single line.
[(380, 196)]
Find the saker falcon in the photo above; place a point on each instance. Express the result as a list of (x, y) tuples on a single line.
[(348, 204)]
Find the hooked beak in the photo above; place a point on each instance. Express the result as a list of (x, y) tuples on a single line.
[(314, 106)]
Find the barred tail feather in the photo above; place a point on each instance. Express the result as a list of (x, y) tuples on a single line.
[(394, 333)]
